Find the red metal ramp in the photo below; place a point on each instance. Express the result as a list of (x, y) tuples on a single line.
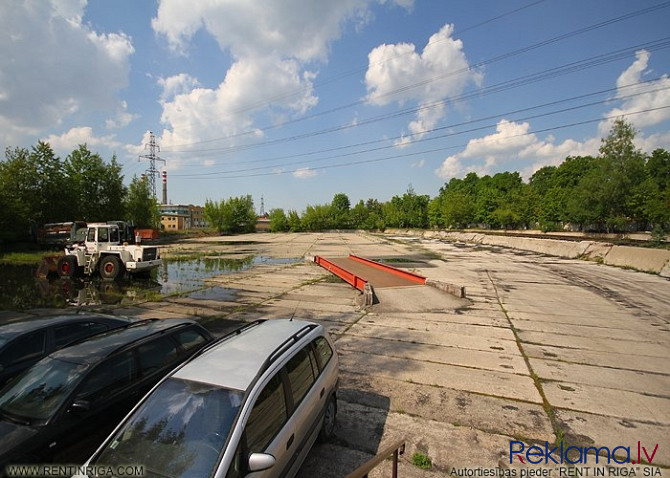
[(358, 271)]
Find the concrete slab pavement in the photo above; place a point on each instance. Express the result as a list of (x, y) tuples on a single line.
[(542, 348)]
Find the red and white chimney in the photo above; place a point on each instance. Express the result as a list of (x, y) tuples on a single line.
[(165, 200)]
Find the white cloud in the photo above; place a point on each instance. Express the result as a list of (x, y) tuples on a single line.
[(304, 173), (648, 96), (46, 40), (122, 118), (176, 85), (65, 143), (251, 28), (274, 46), (419, 164), (512, 142), (399, 74)]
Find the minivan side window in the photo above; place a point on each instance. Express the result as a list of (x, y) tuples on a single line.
[(301, 375), (109, 377), (189, 338), (23, 348), (267, 417), (156, 354), (323, 351), (65, 334)]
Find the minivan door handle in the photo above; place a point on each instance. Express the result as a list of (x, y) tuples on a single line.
[(290, 441), (323, 390)]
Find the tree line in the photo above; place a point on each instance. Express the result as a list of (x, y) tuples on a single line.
[(620, 190), (38, 187)]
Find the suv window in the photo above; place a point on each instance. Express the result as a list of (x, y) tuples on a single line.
[(189, 338), (109, 377), (323, 351), (65, 334), (267, 417), (23, 348), (300, 374), (157, 354)]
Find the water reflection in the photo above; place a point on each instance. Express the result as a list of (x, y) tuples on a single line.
[(179, 275), (20, 289)]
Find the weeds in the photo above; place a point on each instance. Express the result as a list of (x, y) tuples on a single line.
[(421, 460)]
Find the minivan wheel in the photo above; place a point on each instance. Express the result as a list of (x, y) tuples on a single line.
[(328, 428)]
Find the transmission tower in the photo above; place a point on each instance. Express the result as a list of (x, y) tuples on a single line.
[(262, 211), (152, 172)]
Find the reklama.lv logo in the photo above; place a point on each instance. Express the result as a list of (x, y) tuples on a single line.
[(574, 455)]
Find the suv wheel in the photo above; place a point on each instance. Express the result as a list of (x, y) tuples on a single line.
[(328, 428)]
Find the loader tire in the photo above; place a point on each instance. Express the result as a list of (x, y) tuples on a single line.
[(67, 267), (110, 267)]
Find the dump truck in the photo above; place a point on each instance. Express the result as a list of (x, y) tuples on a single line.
[(104, 252)]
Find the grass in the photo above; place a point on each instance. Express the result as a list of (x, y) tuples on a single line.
[(25, 258), (421, 460)]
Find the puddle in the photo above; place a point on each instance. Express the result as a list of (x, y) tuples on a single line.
[(19, 289)]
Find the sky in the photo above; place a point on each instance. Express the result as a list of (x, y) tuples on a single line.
[(294, 101)]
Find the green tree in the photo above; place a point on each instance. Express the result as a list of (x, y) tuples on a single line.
[(19, 194), (95, 189), (232, 216), (141, 206), (358, 215), (215, 214), (339, 208), (622, 175), (294, 221), (278, 220), (243, 214), (375, 219), (51, 185), (317, 218), (657, 187), (408, 210)]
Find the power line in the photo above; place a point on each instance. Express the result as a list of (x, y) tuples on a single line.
[(521, 81), (417, 153), (479, 65), (268, 101), (442, 128)]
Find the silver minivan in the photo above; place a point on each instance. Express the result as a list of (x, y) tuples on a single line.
[(253, 402)]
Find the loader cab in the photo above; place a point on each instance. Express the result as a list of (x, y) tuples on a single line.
[(98, 238)]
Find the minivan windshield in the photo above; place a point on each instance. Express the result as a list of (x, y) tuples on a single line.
[(41, 390), (179, 431)]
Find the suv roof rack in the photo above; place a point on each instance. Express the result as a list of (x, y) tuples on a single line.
[(285, 345)]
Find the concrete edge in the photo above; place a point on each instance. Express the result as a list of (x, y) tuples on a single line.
[(653, 261), (456, 290)]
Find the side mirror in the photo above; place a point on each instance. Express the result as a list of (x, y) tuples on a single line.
[(80, 406), (261, 461)]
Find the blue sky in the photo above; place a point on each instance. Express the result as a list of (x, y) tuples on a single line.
[(297, 100)]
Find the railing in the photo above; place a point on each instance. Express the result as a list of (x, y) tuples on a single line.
[(411, 276), (352, 279), (396, 449)]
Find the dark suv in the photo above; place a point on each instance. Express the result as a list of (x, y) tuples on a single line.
[(64, 405), (24, 343)]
